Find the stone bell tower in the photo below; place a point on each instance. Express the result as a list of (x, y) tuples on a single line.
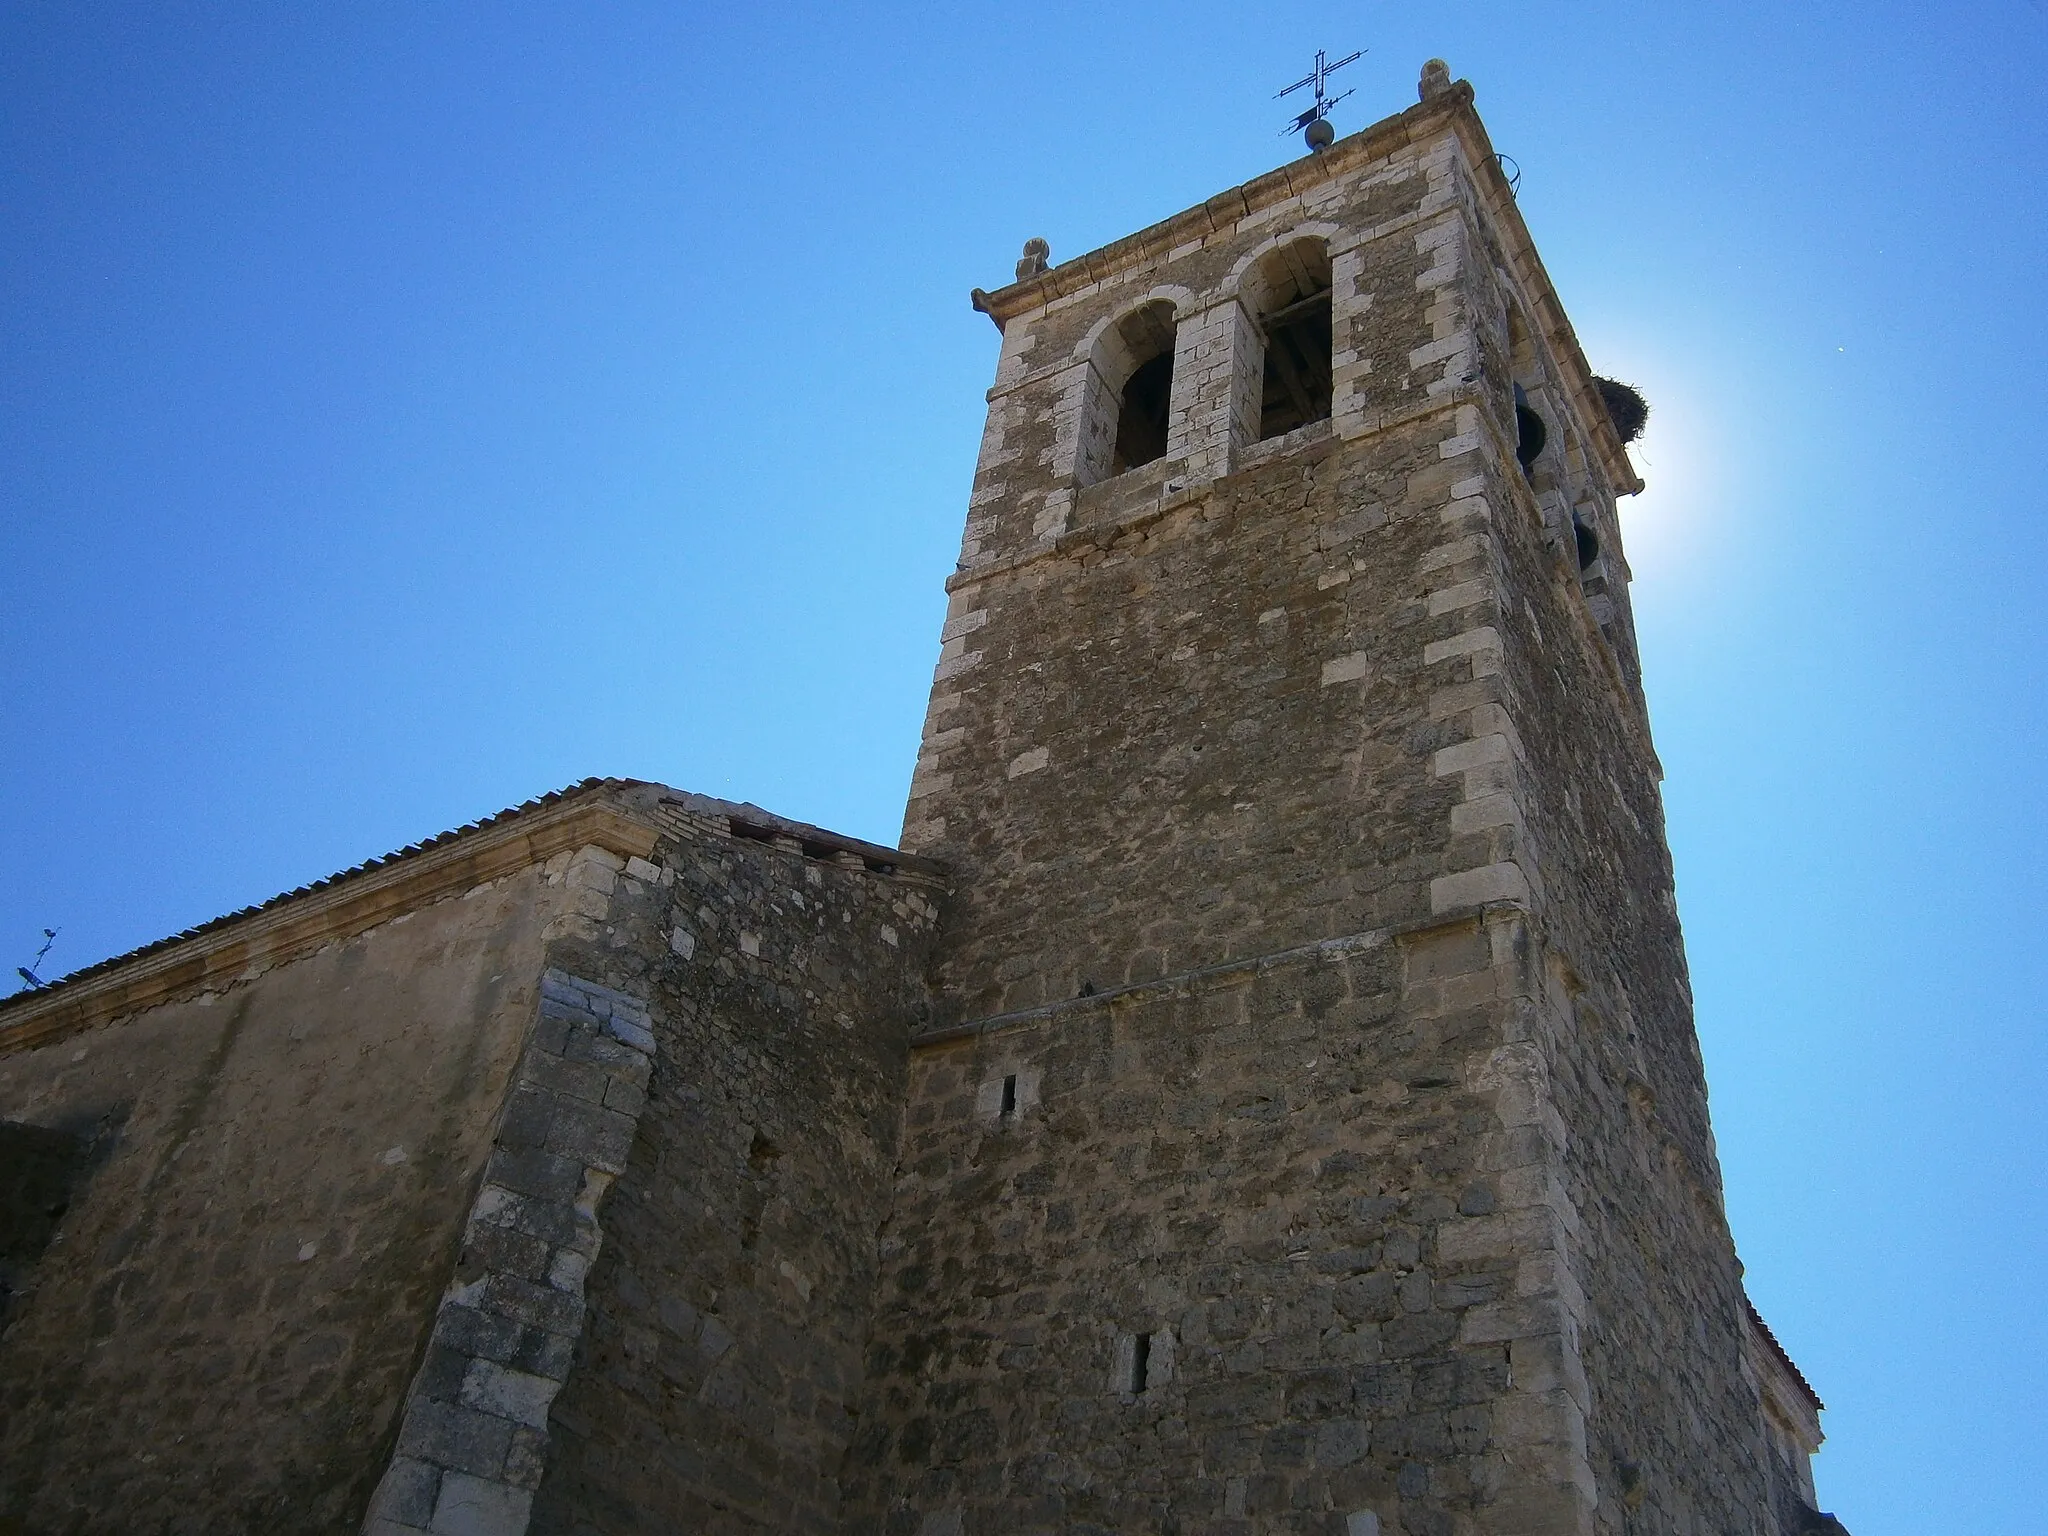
[(1311, 1132)]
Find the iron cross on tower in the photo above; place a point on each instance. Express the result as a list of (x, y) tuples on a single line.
[(1318, 133)]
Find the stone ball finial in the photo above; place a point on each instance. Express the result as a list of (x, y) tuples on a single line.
[(1036, 258), (1436, 79)]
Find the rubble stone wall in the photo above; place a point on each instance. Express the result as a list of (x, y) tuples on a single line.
[(1202, 743), (716, 1381), (222, 1332), (1312, 1184), (472, 1446), (1202, 710), (1231, 709), (1218, 752)]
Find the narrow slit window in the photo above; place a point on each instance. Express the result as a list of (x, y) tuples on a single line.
[(1010, 1096), (1141, 1361), (1295, 319)]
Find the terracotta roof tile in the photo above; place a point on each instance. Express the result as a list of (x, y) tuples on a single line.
[(1764, 1330), (410, 850)]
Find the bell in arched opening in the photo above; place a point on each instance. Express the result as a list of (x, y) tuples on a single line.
[(1530, 432), (1588, 542), (1290, 292)]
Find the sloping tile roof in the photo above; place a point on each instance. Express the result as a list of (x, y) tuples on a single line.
[(1764, 1332), (385, 861)]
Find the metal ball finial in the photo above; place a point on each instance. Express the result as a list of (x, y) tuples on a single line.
[(1318, 134)]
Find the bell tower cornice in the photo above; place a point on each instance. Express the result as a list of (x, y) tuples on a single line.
[(1446, 108)]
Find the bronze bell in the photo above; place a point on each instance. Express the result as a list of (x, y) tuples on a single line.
[(1588, 541), (1530, 433)]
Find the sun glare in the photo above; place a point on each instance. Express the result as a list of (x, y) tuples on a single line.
[(1671, 530)]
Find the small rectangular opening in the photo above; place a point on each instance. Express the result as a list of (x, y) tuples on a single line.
[(1141, 1361), (1009, 1095)]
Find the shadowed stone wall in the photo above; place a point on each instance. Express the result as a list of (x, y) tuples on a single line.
[(42, 1169), (729, 1304), (221, 1334), (623, 1117), (1290, 1178)]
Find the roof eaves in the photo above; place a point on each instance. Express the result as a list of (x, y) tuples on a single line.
[(1764, 1332), (34, 1014)]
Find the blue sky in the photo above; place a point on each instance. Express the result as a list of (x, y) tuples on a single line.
[(406, 409)]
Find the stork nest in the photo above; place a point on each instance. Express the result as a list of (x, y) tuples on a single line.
[(1626, 407)]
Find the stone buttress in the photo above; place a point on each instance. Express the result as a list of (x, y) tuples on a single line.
[(527, 1180)]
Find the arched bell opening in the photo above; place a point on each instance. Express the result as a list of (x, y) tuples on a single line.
[(1290, 289), (1128, 393), (1531, 431), (1588, 543), (1146, 335)]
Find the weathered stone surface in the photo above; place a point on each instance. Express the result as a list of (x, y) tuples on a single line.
[(1424, 1257), (245, 1283), (505, 1334), (1274, 1107), (471, 1506), (1274, 1207), (730, 1301)]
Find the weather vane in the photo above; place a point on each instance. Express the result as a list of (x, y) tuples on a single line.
[(1310, 124)]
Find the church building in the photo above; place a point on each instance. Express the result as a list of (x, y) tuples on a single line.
[(1260, 1094)]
